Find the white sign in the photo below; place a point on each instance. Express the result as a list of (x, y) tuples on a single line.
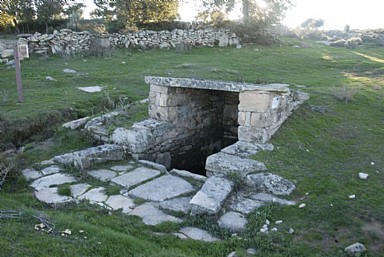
[(23, 51)]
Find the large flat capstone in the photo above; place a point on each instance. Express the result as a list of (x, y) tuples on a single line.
[(162, 188), (222, 163), (210, 197), (135, 177)]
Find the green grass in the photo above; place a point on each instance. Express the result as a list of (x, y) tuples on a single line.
[(322, 147)]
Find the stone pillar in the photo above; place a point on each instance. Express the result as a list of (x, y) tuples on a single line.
[(260, 112)]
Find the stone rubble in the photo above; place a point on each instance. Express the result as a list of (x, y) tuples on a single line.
[(355, 248), (363, 175)]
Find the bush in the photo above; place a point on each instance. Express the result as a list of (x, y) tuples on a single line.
[(253, 32), (344, 93)]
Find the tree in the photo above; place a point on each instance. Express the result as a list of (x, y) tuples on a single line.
[(216, 17), (47, 10), (312, 24), (15, 11), (74, 13), (132, 12), (266, 12)]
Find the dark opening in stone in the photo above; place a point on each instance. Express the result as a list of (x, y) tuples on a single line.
[(207, 123)]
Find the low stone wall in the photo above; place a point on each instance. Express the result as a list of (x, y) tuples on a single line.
[(71, 42), (197, 118)]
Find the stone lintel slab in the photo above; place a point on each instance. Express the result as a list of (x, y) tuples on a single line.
[(211, 196), (213, 84), (223, 164)]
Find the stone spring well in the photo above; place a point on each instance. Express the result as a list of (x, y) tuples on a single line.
[(191, 119)]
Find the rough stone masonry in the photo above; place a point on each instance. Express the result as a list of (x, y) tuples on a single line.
[(198, 118)]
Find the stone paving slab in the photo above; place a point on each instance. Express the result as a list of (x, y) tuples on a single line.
[(51, 170), (31, 174), (51, 180), (177, 205), (95, 195), (122, 168), (222, 163), (233, 221), (211, 196), (162, 188), (154, 165), (243, 149), (188, 174), (103, 174), (198, 234), (271, 198), (135, 177), (117, 202), (271, 183), (79, 189), (50, 196), (151, 215), (245, 205)]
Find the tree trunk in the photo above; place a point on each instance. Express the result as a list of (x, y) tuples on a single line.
[(246, 11)]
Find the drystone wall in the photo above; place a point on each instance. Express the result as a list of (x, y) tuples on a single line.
[(71, 42), (197, 118)]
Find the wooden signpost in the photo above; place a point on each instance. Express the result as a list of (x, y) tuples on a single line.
[(19, 52)]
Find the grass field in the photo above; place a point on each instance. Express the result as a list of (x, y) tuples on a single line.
[(322, 147)]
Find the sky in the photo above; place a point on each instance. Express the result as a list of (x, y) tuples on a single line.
[(358, 14)]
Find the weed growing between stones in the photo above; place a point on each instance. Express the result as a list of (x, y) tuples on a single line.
[(64, 190), (112, 190), (238, 180)]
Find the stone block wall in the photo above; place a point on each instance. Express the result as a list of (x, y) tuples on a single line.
[(261, 113), (71, 42), (187, 122)]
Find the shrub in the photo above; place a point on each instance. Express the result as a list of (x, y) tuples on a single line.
[(344, 93)]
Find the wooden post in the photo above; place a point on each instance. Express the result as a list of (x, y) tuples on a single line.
[(18, 73)]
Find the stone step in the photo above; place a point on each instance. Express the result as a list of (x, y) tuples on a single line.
[(211, 196), (224, 164)]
